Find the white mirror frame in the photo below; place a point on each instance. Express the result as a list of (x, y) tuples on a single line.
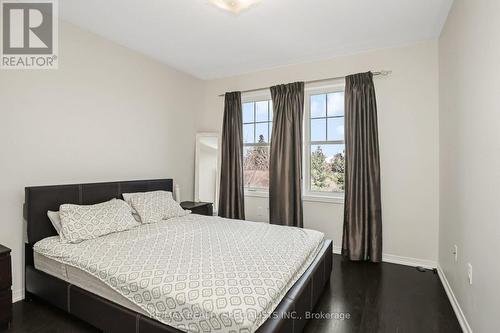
[(196, 167)]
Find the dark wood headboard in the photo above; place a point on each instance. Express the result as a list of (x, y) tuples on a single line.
[(40, 199)]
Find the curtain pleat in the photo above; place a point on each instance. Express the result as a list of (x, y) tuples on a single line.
[(362, 236), (285, 166), (231, 195)]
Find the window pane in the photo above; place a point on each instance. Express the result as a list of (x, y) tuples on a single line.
[(261, 132), (261, 109), (318, 129), (271, 110), (248, 133), (327, 168), (336, 128), (248, 112), (256, 167), (336, 104), (318, 106)]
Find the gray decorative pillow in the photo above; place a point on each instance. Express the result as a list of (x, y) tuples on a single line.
[(87, 222), (154, 206)]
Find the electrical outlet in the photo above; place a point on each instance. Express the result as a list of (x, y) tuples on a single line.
[(455, 252), (469, 273)]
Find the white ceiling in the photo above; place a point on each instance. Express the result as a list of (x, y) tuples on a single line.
[(198, 38)]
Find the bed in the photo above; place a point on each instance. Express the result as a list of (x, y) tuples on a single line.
[(291, 271)]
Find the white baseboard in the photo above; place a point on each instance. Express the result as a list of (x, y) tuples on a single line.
[(394, 259), (17, 295), (408, 261), (454, 302)]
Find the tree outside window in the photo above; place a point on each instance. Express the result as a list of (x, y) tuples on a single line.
[(257, 127), (326, 142)]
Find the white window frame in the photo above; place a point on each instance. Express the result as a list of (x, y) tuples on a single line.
[(308, 195), (247, 98)]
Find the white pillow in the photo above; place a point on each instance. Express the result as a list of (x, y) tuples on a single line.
[(87, 222), (55, 219), (154, 206)]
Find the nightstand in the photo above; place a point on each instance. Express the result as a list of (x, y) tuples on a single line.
[(200, 208), (5, 285)]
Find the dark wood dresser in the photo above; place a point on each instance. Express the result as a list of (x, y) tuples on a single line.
[(200, 208), (5, 287)]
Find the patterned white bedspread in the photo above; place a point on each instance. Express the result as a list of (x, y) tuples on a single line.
[(197, 273)]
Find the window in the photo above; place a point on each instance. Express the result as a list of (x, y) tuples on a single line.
[(324, 147), (324, 142), (257, 127)]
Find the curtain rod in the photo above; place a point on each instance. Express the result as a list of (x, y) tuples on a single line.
[(379, 73)]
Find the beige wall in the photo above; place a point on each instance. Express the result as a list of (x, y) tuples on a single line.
[(106, 114), (408, 127), (470, 158)]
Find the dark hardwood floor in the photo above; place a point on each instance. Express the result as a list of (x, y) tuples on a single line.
[(384, 298), (376, 298)]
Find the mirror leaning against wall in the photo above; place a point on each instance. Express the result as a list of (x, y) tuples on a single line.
[(207, 168)]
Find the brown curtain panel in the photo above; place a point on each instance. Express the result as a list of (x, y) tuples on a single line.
[(231, 198), (285, 165), (362, 238)]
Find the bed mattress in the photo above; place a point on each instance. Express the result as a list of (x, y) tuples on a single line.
[(82, 279), (194, 273)]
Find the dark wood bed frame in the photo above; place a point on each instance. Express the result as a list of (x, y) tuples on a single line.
[(110, 317)]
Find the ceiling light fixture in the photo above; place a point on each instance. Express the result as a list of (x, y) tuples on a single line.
[(234, 6)]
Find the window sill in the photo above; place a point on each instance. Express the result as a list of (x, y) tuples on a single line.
[(257, 194), (339, 200)]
